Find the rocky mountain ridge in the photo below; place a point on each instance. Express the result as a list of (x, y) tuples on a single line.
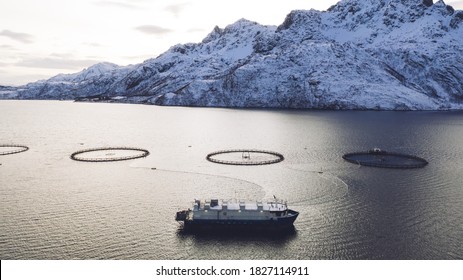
[(359, 54)]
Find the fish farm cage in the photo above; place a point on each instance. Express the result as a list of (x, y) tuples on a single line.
[(12, 149), (247, 157), (107, 154), (383, 159)]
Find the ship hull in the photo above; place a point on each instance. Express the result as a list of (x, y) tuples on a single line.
[(280, 224)]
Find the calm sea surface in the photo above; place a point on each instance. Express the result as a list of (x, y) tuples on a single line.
[(54, 208)]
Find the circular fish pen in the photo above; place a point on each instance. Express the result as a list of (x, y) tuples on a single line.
[(245, 157), (108, 154), (12, 149), (383, 159)]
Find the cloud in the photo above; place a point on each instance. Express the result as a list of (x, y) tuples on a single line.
[(9, 78), (197, 30), (153, 29), (8, 48), (456, 4), (56, 62), (20, 37), (92, 44), (175, 9), (117, 4)]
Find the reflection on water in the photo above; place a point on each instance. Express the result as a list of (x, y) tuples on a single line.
[(235, 235), (54, 208), (230, 245)]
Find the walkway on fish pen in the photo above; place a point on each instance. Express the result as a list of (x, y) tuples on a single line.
[(78, 155), (245, 157), (17, 149), (383, 159)]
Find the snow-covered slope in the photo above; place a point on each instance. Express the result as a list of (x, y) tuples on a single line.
[(360, 54)]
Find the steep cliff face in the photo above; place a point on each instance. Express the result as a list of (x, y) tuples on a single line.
[(360, 54)]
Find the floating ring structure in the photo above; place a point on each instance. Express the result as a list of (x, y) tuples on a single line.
[(109, 157), (246, 158), (15, 149), (383, 159)]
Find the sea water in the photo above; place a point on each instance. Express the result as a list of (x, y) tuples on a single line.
[(52, 207)]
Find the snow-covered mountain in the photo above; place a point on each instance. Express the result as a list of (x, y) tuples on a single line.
[(359, 54)]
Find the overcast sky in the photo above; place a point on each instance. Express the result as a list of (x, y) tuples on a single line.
[(39, 39)]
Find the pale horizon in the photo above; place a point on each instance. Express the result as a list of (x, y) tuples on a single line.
[(40, 39)]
